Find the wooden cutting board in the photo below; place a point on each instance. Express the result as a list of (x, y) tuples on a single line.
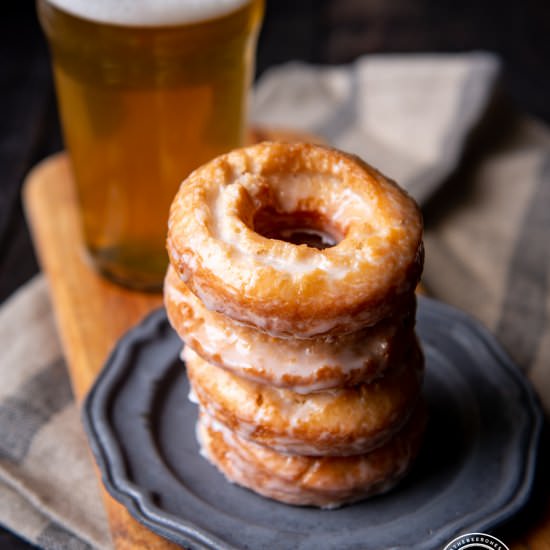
[(93, 313)]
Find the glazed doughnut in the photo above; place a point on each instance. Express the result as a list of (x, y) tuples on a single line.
[(230, 218), (301, 365), (327, 482), (344, 421)]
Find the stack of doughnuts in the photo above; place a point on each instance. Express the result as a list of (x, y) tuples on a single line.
[(292, 278)]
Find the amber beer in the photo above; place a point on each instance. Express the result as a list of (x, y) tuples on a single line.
[(148, 90)]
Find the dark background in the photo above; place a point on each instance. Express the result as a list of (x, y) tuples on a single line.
[(322, 31)]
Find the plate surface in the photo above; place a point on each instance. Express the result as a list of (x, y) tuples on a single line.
[(475, 470)]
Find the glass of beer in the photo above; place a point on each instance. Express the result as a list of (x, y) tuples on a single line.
[(148, 90)]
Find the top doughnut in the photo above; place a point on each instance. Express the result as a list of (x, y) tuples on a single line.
[(232, 219)]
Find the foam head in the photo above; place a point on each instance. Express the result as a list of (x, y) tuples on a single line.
[(148, 12)]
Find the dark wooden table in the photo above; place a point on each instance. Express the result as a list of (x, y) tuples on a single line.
[(318, 31)]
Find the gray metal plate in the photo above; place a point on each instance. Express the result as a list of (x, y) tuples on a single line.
[(475, 471)]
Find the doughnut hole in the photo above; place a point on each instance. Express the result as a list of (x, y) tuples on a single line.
[(303, 227)]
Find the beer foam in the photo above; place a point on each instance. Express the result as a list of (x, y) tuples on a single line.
[(148, 12)]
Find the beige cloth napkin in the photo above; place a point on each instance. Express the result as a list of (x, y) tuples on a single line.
[(487, 252), (48, 489)]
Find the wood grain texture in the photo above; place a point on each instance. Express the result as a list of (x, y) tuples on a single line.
[(93, 313)]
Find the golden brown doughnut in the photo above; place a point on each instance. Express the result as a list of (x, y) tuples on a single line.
[(327, 482), (301, 365), (344, 421), (229, 216)]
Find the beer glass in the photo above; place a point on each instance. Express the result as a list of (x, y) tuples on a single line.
[(148, 90)]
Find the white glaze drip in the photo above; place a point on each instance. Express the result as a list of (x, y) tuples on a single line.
[(247, 350)]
